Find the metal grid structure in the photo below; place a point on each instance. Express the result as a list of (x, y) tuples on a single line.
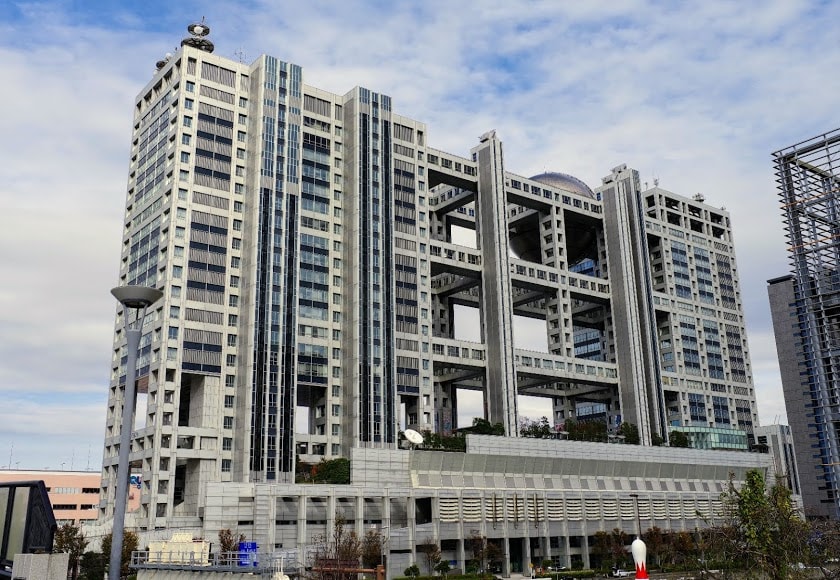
[(808, 177)]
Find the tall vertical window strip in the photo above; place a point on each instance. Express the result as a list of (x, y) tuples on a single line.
[(682, 275), (697, 409), (690, 345)]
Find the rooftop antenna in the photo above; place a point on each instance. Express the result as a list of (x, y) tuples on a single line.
[(239, 53), (198, 31), (656, 182)]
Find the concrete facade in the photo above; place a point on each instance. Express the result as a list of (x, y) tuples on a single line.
[(314, 249), (538, 499)]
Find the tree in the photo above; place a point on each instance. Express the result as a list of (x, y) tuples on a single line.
[(335, 471), (655, 542), (678, 439), (759, 529), (130, 543), (594, 430), (630, 432), (601, 549), (69, 539), (822, 548), (443, 567), (228, 542), (412, 571), (92, 565), (495, 554), (430, 549), (482, 426), (372, 546), (476, 544), (618, 546), (337, 553), (540, 429)]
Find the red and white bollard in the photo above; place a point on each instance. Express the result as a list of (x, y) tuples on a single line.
[(639, 551)]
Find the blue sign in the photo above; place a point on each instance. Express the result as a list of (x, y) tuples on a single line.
[(247, 553)]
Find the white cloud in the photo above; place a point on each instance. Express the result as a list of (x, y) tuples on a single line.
[(697, 95)]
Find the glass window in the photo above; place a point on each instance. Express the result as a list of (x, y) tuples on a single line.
[(186, 138), (187, 121), (190, 87), (173, 332), (188, 104)]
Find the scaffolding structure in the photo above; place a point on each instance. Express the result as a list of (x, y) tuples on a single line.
[(808, 177)]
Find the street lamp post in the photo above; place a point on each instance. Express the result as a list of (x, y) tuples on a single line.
[(635, 497), (137, 298)]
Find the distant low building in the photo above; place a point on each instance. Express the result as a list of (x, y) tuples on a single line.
[(74, 495), (779, 443)]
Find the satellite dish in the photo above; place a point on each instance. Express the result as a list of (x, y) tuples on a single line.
[(413, 437), (198, 29)]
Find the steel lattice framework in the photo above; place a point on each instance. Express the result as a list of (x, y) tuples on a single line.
[(808, 177)]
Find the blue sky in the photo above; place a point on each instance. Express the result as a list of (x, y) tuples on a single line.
[(695, 94)]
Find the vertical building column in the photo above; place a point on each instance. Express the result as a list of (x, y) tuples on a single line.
[(411, 520), (585, 551), (640, 391), (301, 522), (496, 291)]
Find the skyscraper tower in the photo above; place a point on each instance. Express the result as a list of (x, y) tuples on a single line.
[(806, 314), (316, 253)]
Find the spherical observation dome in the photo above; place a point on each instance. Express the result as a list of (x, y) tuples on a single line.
[(564, 181)]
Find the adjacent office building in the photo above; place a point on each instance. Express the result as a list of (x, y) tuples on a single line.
[(778, 441), (316, 254), (806, 313)]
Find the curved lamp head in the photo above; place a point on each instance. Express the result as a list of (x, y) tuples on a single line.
[(136, 296)]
